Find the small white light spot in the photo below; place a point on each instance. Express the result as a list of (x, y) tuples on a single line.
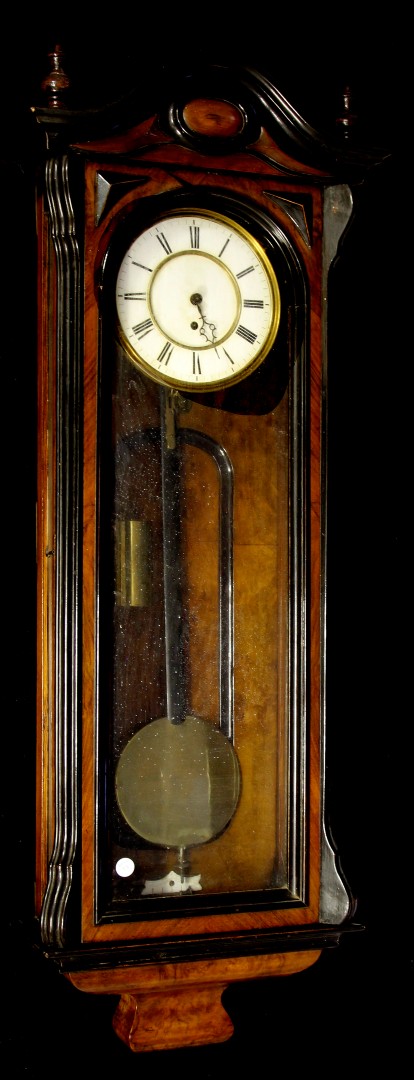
[(125, 867)]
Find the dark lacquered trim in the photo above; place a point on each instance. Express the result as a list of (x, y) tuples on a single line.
[(208, 947), (67, 348)]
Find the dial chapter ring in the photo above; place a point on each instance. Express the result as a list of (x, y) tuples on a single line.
[(198, 301)]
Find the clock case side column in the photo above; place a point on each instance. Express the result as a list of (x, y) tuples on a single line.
[(60, 534), (336, 901)]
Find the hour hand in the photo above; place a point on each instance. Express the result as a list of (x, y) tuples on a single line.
[(207, 329)]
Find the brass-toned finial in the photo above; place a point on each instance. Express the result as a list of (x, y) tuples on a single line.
[(57, 82)]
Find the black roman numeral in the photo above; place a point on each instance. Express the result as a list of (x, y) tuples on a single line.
[(224, 246), (228, 357), (253, 303), (165, 354), (196, 364), (248, 270), (134, 296), (143, 328), (141, 266), (195, 236), (164, 243), (246, 334)]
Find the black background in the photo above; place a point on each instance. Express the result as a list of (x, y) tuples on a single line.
[(350, 1012)]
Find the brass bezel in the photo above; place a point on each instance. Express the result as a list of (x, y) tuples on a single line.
[(201, 386)]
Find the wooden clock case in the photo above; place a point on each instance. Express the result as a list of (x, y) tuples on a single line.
[(225, 137)]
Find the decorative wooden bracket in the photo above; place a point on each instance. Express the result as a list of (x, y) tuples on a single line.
[(167, 1006)]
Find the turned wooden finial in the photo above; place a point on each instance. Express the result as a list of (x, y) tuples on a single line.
[(57, 82), (347, 119)]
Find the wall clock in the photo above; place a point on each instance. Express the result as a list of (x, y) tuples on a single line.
[(184, 254)]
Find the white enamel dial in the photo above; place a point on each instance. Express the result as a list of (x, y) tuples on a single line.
[(197, 300)]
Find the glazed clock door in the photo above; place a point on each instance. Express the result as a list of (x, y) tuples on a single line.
[(198, 590)]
